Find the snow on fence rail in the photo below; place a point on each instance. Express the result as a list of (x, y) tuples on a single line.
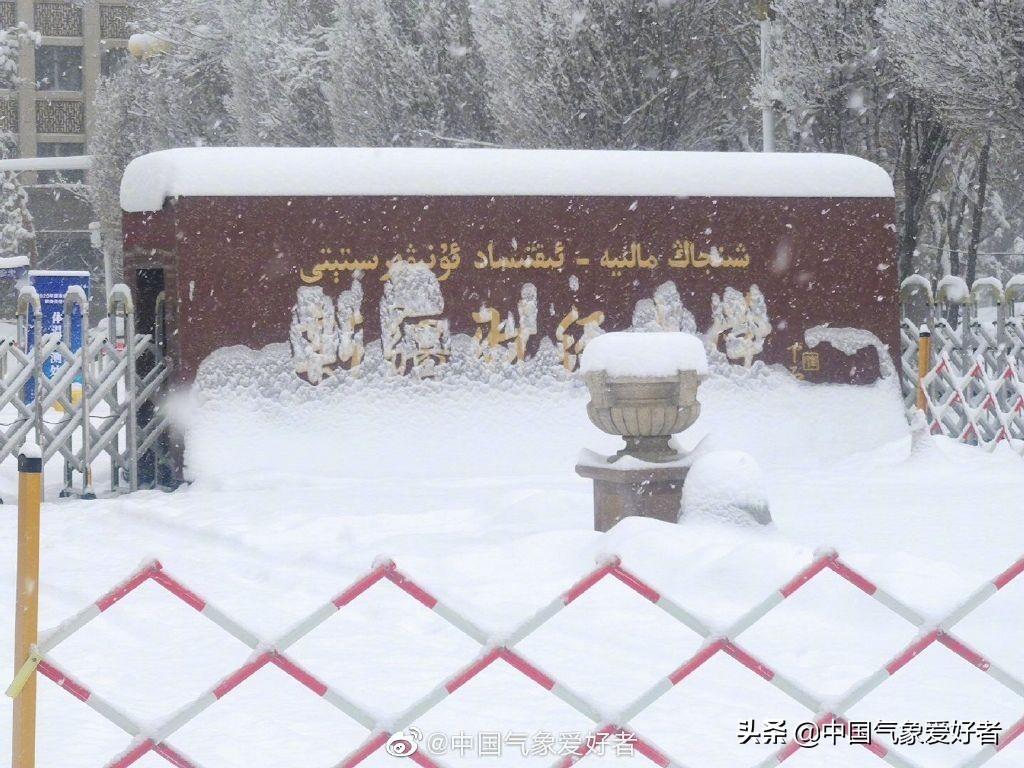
[(962, 357), (92, 395), (144, 741)]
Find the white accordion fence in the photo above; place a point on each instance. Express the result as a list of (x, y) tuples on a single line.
[(95, 403), (962, 358)]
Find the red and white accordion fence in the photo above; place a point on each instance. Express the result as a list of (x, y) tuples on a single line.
[(158, 739), (962, 358)]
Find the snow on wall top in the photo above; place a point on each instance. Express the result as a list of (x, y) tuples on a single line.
[(270, 172)]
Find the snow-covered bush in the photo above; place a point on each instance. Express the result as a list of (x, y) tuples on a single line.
[(727, 486)]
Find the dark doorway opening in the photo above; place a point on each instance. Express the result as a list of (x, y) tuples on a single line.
[(148, 310), (149, 285)]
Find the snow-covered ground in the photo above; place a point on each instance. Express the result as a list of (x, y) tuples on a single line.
[(470, 489)]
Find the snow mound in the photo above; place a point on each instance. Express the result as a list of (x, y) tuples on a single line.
[(272, 171), (727, 486), (252, 415), (645, 354)]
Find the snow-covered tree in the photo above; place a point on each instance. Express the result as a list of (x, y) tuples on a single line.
[(617, 73), (932, 91), (276, 65), (174, 99), (17, 235), (961, 242), (834, 76), (966, 56), (406, 72)]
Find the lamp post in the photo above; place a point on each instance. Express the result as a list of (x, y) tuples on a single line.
[(96, 241), (765, 15)]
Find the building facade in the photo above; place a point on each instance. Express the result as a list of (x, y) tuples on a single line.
[(48, 108)]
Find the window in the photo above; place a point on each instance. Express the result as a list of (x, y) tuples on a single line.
[(114, 20), (59, 19), (60, 149), (111, 61), (9, 115), (59, 68)]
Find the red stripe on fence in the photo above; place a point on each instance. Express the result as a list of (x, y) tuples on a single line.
[(1010, 734), (852, 576), (240, 675), (748, 661), (173, 757), (875, 749), (793, 745), (600, 735), (588, 581), (649, 752), (300, 674), (80, 692), (472, 671), (787, 751), (366, 750), (179, 590), (806, 575), (636, 584), (133, 755), (124, 588), (411, 588), (699, 658), (421, 759), (964, 652), (1009, 574), (517, 661), (360, 586), (911, 652)]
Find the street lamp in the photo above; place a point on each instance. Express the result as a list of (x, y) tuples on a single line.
[(146, 45), (765, 14)]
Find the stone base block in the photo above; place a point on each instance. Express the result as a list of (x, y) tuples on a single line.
[(646, 492)]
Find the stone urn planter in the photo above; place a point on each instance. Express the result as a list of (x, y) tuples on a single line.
[(643, 388), (644, 411)]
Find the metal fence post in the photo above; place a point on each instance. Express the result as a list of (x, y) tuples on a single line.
[(924, 365), (131, 392), (30, 308), (26, 619), (78, 299)]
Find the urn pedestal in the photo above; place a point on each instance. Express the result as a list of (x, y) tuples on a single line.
[(654, 492)]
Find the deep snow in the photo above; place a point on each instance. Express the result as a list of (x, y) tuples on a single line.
[(470, 489)]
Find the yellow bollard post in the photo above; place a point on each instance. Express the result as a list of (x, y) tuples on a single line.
[(924, 365), (26, 620)]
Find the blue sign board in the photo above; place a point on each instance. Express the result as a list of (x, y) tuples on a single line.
[(52, 287)]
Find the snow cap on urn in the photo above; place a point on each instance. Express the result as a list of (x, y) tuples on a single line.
[(643, 386)]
